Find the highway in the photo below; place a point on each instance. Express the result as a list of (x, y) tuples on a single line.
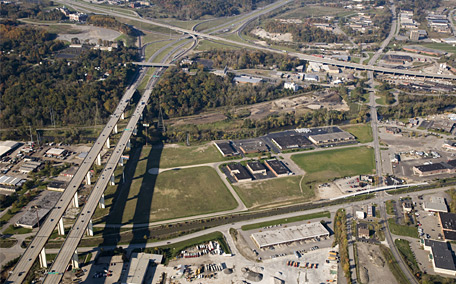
[(79, 228), (337, 63), (30, 255)]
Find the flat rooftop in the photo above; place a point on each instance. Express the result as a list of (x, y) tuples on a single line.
[(289, 234), (256, 166), (226, 148), (431, 167), (6, 146), (291, 141), (277, 166), (448, 221), (443, 258), (436, 203), (138, 266), (55, 151)]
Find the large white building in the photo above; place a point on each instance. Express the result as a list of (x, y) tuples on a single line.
[(139, 265), (289, 235), (435, 204), (441, 256), (7, 147)]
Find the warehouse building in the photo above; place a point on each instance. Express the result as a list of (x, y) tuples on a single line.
[(363, 231), (226, 149), (430, 169), (7, 147), (31, 217), (276, 167), (256, 168), (252, 146), (29, 167), (441, 256), (57, 185), (292, 141), (140, 265), (448, 224), (435, 204), (238, 172), (70, 172), (10, 183), (332, 138), (56, 153), (287, 235)]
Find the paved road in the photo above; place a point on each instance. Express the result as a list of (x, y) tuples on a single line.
[(299, 55), (390, 36)]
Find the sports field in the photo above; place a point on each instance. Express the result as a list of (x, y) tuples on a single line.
[(274, 191), (171, 194), (337, 163)]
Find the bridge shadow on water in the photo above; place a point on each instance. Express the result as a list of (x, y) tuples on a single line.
[(120, 241)]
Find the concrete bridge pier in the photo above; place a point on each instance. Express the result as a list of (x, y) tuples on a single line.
[(121, 161), (128, 144), (42, 257), (75, 200), (115, 129), (75, 260), (88, 182), (99, 159), (102, 202), (108, 145), (122, 116), (113, 180), (90, 228), (61, 228)]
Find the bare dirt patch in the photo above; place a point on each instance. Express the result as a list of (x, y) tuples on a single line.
[(272, 36), (372, 262), (91, 33)]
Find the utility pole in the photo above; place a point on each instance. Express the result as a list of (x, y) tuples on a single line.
[(31, 136)]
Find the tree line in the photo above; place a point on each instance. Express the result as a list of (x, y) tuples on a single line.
[(38, 87), (195, 9), (304, 32), (244, 59), (112, 23)]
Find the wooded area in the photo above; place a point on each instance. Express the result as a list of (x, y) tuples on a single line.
[(304, 32)]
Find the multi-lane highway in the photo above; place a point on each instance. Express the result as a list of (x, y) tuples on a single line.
[(247, 45)]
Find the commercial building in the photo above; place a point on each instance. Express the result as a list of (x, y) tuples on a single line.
[(56, 152), (311, 77), (290, 86), (31, 217), (10, 183), (363, 231), (292, 141), (238, 172), (441, 256), (370, 211), (430, 169), (252, 146), (448, 224), (393, 58), (407, 206), (276, 167), (70, 172), (289, 235), (435, 204), (140, 264), (360, 214), (256, 168), (226, 149), (57, 185), (247, 80), (30, 166), (329, 138), (6, 147)]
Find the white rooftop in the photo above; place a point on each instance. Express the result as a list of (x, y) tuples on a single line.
[(55, 151), (138, 266), (435, 203), (6, 146), (289, 234), (12, 181)]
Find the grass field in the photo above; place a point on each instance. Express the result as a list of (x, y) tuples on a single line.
[(402, 230), (273, 191), (7, 243), (390, 207), (11, 230), (323, 214), (171, 194), (337, 163), (440, 46), (177, 155), (209, 45), (362, 132), (403, 246), (393, 265)]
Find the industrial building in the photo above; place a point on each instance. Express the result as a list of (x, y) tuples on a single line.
[(276, 167), (441, 256), (256, 168), (247, 80), (29, 167), (56, 153), (238, 172), (31, 217), (10, 183), (363, 231), (448, 224), (435, 204), (6, 147), (430, 169), (70, 172), (226, 149), (287, 235), (292, 141), (252, 146), (57, 185), (330, 138), (139, 267)]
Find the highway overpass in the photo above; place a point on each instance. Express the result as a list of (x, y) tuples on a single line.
[(150, 64)]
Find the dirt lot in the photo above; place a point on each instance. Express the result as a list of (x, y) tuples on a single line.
[(371, 258), (91, 33), (272, 36)]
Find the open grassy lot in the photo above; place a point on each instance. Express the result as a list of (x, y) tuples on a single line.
[(273, 191), (11, 230), (172, 194), (177, 155), (338, 162), (362, 132), (393, 265), (402, 230), (403, 246), (209, 45), (440, 46), (313, 11), (323, 214)]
